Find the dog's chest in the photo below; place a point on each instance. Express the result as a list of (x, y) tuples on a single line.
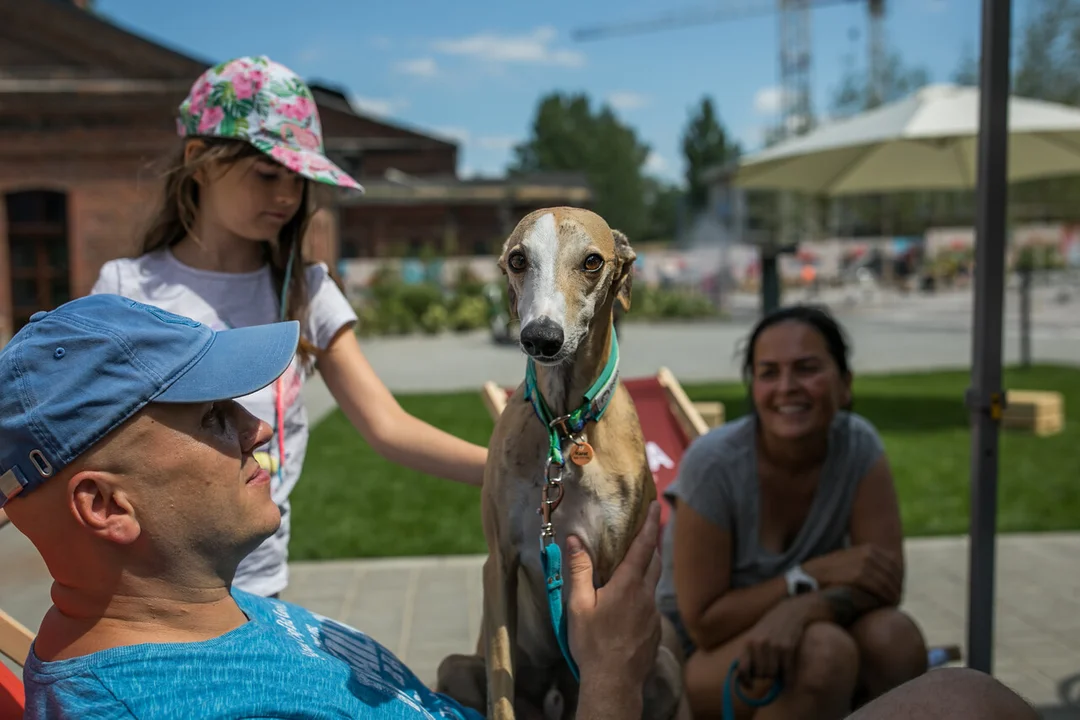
[(589, 511)]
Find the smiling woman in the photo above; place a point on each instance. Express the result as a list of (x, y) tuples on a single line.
[(784, 554)]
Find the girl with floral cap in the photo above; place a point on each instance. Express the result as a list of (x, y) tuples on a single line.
[(225, 249)]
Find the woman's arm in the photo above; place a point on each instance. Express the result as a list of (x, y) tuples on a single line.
[(394, 433), (711, 612), (877, 538)]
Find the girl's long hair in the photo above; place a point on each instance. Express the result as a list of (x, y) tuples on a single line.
[(175, 219)]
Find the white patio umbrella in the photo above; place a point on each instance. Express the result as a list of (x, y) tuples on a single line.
[(927, 141)]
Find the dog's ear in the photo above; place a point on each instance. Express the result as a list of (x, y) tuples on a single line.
[(624, 274), (510, 292)]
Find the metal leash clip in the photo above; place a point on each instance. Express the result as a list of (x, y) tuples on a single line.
[(550, 497)]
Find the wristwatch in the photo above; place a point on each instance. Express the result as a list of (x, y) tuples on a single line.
[(798, 582)]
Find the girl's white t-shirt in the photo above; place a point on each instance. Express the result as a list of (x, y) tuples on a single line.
[(223, 300)]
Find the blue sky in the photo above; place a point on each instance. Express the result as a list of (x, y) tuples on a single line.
[(474, 69)]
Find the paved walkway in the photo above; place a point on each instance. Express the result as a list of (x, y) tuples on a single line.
[(426, 608)]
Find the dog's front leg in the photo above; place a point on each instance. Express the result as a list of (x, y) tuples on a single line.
[(500, 632), (663, 693)]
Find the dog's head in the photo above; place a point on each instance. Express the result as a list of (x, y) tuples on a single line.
[(565, 267)]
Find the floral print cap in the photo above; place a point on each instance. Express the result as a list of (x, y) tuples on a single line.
[(264, 103)]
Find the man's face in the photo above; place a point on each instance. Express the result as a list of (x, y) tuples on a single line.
[(197, 488)]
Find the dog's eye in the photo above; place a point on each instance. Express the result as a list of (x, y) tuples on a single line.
[(593, 263), (516, 261)]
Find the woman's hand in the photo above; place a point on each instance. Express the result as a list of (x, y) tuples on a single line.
[(867, 567), (771, 644)]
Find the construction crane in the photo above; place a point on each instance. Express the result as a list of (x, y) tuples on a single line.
[(796, 116)]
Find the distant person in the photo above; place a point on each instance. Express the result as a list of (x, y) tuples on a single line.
[(225, 249), (785, 550)]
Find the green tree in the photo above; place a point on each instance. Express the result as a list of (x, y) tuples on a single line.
[(1045, 69), (664, 201), (705, 144), (854, 93), (568, 135), (967, 70)]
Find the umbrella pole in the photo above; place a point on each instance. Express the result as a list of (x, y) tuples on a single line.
[(985, 398)]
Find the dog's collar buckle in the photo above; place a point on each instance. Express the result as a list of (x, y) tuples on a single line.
[(562, 423)]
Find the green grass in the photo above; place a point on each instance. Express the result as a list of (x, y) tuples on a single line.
[(352, 503)]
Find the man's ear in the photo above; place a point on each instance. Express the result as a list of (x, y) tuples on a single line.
[(624, 275), (102, 508), (510, 292)]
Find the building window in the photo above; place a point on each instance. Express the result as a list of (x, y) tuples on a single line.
[(37, 232)]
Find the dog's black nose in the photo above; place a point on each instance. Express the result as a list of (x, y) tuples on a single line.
[(542, 338)]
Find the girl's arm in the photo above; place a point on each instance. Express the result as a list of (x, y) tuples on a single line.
[(394, 433)]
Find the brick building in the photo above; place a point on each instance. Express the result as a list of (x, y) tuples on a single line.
[(87, 115)]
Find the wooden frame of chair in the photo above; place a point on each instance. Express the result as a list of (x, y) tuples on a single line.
[(15, 638)]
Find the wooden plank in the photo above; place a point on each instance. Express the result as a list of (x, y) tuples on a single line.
[(1037, 411), (684, 411), (494, 399), (15, 639), (711, 412)]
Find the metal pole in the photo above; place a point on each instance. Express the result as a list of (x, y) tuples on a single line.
[(1025, 317), (770, 281), (985, 398)]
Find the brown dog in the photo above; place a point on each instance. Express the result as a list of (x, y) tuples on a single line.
[(590, 478)]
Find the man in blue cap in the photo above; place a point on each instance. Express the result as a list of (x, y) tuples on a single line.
[(126, 463)]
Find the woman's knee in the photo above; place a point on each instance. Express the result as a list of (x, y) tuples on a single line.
[(889, 638), (828, 661)]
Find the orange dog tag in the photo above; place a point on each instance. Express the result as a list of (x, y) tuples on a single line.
[(581, 453)]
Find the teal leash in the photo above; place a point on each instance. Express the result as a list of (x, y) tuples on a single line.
[(731, 691), (561, 430)]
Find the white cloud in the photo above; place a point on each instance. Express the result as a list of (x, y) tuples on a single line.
[(420, 67), (767, 100), (379, 107), (534, 48), (496, 142), (310, 54), (627, 100), (459, 134), (655, 162)]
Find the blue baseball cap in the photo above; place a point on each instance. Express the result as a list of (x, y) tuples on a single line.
[(74, 374)]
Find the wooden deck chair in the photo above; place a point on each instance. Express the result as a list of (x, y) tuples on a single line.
[(15, 642), (670, 422)]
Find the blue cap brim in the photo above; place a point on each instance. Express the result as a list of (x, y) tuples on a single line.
[(238, 363)]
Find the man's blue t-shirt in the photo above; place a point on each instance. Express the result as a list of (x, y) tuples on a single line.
[(287, 662)]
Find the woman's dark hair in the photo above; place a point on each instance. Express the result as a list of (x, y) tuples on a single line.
[(817, 317)]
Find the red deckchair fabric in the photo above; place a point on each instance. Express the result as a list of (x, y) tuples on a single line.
[(12, 697)]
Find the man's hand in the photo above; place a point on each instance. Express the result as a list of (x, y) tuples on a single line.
[(614, 632), (866, 567)]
